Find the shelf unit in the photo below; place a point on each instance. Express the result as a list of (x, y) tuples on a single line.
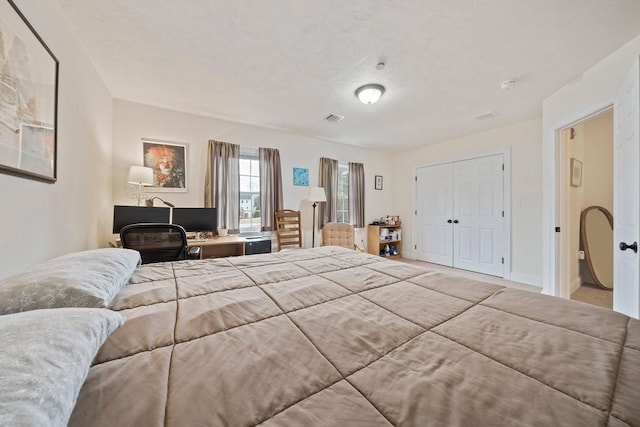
[(374, 243)]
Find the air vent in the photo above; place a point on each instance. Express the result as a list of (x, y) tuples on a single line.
[(334, 118), (486, 116)]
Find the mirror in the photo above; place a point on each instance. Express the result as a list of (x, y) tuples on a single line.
[(596, 233)]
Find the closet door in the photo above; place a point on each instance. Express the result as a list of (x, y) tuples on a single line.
[(478, 215), (435, 214)]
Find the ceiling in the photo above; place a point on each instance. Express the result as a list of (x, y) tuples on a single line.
[(287, 64)]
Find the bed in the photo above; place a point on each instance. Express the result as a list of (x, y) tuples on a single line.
[(333, 337)]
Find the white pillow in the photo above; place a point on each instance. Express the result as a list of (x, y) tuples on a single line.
[(81, 279), (45, 356)]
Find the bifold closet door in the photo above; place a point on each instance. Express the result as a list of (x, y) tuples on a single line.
[(460, 214), (435, 214), (477, 212)]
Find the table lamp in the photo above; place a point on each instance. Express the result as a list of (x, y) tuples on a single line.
[(316, 195), (142, 176)]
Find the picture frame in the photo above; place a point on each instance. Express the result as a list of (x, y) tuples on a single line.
[(378, 182), (576, 172), (169, 162), (28, 100), (301, 177)]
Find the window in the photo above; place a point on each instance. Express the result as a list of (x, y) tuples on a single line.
[(342, 195), (249, 190)]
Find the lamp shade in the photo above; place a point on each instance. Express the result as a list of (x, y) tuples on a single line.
[(368, 94), (140, 175), (316, 194)]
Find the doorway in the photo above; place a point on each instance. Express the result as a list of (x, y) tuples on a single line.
[(598, 90), (588, 164)]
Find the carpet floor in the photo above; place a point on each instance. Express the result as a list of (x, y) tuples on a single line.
[(592, 294), (472, 275)]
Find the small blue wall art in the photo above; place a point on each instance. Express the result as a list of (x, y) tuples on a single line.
[(301, 176)]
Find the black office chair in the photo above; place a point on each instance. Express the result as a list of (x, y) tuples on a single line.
[(158, 242)]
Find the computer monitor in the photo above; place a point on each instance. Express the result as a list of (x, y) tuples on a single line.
[(196, 219), (125, 215)]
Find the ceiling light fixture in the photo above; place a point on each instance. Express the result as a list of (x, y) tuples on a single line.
[(368, 94)]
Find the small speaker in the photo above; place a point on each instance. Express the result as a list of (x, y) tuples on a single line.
[(257, 246)]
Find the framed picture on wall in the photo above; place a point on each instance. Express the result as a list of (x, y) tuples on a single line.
[(378, 185), (576, 172), (301, 176), (169, 163), (28, 99)]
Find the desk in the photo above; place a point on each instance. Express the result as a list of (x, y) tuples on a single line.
[(222, 246)]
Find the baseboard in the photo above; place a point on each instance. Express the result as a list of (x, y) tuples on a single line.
[(575, 284), (527, 279)]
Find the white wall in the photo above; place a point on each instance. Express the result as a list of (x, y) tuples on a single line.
[(524, 140), (135, 121), (39, 220), (592, 91)]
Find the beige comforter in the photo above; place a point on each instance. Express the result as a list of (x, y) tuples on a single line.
[(332, 337)]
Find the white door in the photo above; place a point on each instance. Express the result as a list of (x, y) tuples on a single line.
[(460, 214), (626, 195), (435, 214), (478, 215)]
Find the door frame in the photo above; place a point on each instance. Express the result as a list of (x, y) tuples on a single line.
[(506, 199), (563, 246)]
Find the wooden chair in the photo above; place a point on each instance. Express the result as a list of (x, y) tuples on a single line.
[(288, 229)]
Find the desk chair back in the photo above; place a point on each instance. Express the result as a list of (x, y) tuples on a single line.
[(156, 242), (288, 229)]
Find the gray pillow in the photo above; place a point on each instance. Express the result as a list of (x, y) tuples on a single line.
[(45, 356), (81, 279)]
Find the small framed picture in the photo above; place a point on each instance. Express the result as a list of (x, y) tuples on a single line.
[(301, 176), (576, 172), (378, 182)]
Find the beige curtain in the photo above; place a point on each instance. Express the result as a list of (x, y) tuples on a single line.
[(329, 180), (222, 183), (356, 194), (270, 186)]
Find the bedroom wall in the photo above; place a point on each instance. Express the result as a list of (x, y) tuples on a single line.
[(134, 121), (40, 221), (523, 139)]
